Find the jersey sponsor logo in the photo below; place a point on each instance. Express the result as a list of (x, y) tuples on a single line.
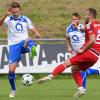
[(75, 38), (19, 27)]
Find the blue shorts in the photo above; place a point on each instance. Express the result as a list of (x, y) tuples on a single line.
[(16, 50)]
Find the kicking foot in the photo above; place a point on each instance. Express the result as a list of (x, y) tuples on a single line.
[(12, 94), (33, 52), (80, 92), (44, 79)]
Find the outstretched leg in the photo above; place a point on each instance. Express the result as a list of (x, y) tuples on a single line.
[(86, 73), (59, 69)]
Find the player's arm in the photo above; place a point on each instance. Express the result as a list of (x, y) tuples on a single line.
[(32, 28), (92, 38), (68, 45), (35, 32), (8, 12), (2, 19)]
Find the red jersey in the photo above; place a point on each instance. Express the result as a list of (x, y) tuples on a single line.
[(93, 28)]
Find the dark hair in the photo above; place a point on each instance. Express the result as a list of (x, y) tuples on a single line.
[(76, 15), (15, 5), (93, 12)]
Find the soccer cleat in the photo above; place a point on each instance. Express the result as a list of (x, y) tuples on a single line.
[(33, 52), (12, 94), (80, 92), (44, 79)]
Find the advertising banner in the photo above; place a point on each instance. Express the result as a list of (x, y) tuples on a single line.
[(48, 57)]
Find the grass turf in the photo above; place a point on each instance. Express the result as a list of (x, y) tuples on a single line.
[(57, 89)]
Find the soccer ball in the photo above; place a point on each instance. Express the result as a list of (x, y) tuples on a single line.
[(27, 79)]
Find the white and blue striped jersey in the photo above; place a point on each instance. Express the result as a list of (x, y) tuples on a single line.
[(17, 28), (76, 36)]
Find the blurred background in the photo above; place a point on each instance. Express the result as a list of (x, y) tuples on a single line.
[(51, 17)]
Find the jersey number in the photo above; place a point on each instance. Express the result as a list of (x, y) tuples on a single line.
[(98, 38)]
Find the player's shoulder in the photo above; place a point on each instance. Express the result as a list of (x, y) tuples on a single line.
[(69, 28), (9, 17), (24, 18), (95, 23)]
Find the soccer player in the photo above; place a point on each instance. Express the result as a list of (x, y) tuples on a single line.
[(18, 40), (75, 38), (86, 56)]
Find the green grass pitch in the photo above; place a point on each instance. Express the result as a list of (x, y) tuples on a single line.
[(56, 89)]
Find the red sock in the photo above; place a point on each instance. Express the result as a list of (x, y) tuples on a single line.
[(78, 78), (59, 69)]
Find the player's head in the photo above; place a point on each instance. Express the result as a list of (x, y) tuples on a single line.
[(91, 13), (75, 18), (15, 9)]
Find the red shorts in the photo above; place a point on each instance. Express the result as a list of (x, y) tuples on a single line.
[(84, 60)]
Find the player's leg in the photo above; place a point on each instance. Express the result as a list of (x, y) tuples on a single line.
[(79, 60), (90, 59), (86, 73), (12, 77), (78, 79), (14, 57), (57, 70), (90, 71), (76, 75), (83, 62), (30, 46), (83, 74)]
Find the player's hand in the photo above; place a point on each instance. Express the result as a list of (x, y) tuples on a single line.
[(8, 12), (69, 50), (74, 24), (83, 29), (81, 50), (86, 20)]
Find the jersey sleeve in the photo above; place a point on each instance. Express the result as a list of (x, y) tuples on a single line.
[(6, 21), (30, 24), (67, 31)]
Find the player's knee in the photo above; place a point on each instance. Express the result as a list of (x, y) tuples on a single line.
[(31, 43), (67, 63), (12, 68), (74, 69)]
